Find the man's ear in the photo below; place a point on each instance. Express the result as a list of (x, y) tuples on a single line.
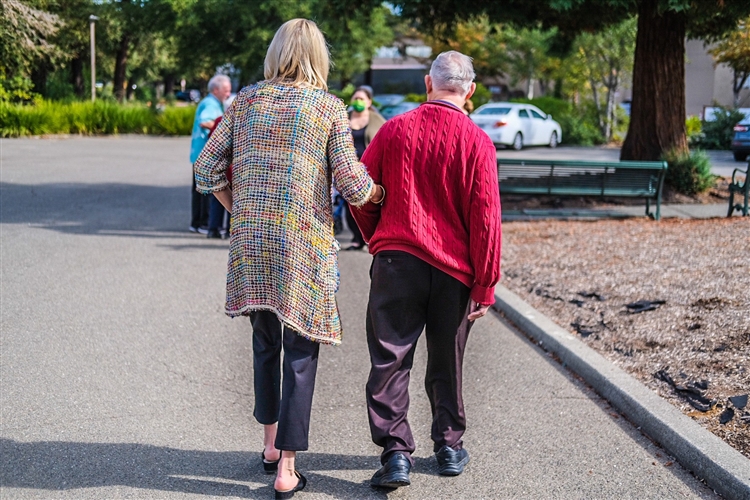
[(428, 83), (472, 89)]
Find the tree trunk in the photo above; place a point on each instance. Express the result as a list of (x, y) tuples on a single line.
[(657, 119), (598, 104), (121, 66), (76, 76), (39, 78), (168, 85)]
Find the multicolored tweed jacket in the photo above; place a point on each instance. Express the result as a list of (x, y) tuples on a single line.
[(286, 145)]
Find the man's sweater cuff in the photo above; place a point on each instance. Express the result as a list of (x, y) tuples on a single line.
[(483, 295)]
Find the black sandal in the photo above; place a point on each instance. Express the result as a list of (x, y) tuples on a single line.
[(286, 495), (269, 467)]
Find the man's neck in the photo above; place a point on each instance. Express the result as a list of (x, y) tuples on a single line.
[(450, 97)]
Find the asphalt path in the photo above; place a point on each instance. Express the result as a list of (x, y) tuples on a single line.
[(120, 376), (722, 162)]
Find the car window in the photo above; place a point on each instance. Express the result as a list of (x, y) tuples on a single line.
[(522, 113), (537, 115), (493, 111)]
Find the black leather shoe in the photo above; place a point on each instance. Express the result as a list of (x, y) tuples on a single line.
[(394, 474), (451, 462)]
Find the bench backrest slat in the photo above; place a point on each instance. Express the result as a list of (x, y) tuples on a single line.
[(592, 178)]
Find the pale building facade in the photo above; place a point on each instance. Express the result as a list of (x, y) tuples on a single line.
[(707, 84)]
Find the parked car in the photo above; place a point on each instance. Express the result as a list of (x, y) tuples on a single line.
[(192, 95), (389, 112), (741, 139), (517, 125), (384, 100)]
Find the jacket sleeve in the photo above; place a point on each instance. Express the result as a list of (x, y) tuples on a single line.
[(210, 168), (485, 232), (368, 215), (349, 175)]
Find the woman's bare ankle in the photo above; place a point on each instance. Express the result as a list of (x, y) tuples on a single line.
[(286, 479), (270, 453)]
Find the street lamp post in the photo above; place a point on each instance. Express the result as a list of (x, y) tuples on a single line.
[(92, 20)]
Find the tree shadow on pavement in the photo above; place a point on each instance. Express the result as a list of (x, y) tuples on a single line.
[(60, 466), (105, 209)]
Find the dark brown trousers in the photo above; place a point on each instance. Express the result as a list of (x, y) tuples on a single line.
[(407, 295)]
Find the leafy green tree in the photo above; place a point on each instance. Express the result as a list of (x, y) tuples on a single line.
[(129, 23), (657, 122), (355, 37), (210, 33), (25, 32), (74, 39), (734, 51), (521, 54), (600, 62)]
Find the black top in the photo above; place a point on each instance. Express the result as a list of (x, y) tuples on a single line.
[(359, 141)]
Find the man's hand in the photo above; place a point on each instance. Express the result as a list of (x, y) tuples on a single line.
[(208, 125), (476, 311)]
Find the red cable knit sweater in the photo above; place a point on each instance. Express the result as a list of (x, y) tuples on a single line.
[(443, 203)]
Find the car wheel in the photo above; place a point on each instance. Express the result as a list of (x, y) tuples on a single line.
[(553, 140), (518, 142), (740, 156)]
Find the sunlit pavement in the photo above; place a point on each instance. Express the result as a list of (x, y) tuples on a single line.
[(120, 376)]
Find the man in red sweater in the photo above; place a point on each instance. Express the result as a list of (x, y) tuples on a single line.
[(436, 246)]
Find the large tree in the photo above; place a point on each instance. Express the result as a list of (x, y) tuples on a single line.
[(657, 123), (211, 33), (25, 32), (129, 23), (734, 51)]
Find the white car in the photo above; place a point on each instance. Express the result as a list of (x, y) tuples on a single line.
[(517, 125)]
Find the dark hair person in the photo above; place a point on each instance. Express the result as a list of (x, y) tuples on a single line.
[(287, 139), (365, 121)]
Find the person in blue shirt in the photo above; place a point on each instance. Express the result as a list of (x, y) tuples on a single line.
[(209, 109)]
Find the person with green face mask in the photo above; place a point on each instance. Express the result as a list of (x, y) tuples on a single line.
[(364, 122)]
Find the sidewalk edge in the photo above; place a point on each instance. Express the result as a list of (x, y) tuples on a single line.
[(723, 468)]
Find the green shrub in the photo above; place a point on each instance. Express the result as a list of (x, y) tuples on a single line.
[(344, 94), (481, 96), (693, 130), (415, 97), (176, 120), (578, 123), (717, 134), (86, 118), (689, 173)]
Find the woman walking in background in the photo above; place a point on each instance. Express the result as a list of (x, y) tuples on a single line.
[(287, 138), (365, 121)]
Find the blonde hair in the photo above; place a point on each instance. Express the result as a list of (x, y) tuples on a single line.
[(298, 54)]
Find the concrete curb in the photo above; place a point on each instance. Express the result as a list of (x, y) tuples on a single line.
[(723, 468)]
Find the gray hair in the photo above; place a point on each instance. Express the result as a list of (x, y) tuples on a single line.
[(217, 80), (452, 71)]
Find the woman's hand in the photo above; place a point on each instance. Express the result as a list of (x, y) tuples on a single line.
[(225, 198)]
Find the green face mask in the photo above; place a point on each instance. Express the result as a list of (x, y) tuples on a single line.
[(358, 105)]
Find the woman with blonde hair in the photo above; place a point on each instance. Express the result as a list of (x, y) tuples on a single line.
[(288, 140)]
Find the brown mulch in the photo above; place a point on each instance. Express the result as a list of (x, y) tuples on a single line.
[(582, 275)]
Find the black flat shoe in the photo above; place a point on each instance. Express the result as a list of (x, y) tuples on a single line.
[(286, 495), (451, 462), (393, 474), (270, 467)]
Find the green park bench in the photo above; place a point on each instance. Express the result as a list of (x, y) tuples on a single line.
[(740, 189), (632, 179)]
